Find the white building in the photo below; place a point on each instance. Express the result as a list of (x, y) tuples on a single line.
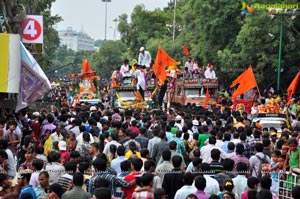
[(77, 41)]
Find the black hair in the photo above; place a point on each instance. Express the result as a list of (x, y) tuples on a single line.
[(231, 146), (215, 154), (96, 145), (121, 150), (78, 179), (266, 182), (125, 165), (242, 168), (137, 163), (102, 193), (148, 164), (196, 161), (45, 173), (146, 179), (259, 147), (3, 154), (176, 160), (38, 164), (265, 194), (166, 155), (74, 154), (252, 181), (99, 164), (188, 178), (172, 145), (228, 164), (212, 140), (200, 182), (159, 193), (239, 148), (71, 167), (144, 152)]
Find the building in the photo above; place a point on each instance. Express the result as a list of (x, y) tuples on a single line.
[(77, 41)]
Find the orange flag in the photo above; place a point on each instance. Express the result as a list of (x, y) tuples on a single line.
[(85, 66), (292, 87), (206, 98), (185, 50), (246, 81), (162, 60)]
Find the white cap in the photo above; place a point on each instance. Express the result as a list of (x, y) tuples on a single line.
[(142, 48), (93, 108), (195, 122), (62, 145), (178, 117), (37, 114)]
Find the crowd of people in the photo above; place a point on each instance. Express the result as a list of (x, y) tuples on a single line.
[(86, 151), (96, 151)]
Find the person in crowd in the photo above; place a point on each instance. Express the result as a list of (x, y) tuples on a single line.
[(42, 189), (116, 163), (172, 181), (240, 181), (209, 72), (53, 167), (213, 187), (252, 184), (159, 194), (76, 191), (55, 191), (125, 70), (145, 188), (36, 167), (200, 184), (65, 180), (258, 159), (187, 188), (23, 181), (144, 58)]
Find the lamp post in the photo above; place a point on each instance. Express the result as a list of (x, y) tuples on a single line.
[(105, 28), (279, 53), (174, 21)]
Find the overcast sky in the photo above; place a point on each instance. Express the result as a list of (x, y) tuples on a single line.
[(89, 15)]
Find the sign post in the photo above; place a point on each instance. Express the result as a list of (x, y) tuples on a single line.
[(32, 29)]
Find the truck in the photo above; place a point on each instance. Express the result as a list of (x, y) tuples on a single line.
[(125, 94), (194, 91)]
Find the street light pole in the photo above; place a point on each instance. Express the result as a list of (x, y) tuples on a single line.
[(105, 28), (174, 21), (279, 53)]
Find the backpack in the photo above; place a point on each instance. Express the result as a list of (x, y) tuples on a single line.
[(261, 162)]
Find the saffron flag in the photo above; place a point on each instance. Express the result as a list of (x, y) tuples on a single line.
[(292, 87), (246, 81), (185, 50), (85, 67), (34, 82), (10, 63), (162, 60), (207, 96)]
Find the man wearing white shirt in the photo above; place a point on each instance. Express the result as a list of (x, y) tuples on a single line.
[(212, 185), (240, 181), (114, 141), (209, 72), (139, 74), (125, 70), (144, 57), (187, 188), (79, 138), (206, 151)]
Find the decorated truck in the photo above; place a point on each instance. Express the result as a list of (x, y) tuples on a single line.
[(195, 91)]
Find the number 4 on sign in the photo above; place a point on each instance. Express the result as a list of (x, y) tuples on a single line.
[(30, 29)]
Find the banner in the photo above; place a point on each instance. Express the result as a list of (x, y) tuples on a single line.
[(34, 82), (10, 57)]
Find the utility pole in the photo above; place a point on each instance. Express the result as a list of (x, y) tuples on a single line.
[(174, 21), (105, 28)]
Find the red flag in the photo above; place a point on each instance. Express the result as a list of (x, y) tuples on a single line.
[(185, 50), (246, 81), (162, 60), (292, 87), (206, 98)]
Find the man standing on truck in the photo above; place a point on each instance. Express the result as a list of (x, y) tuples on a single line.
[(144, 58), (209, 72), (139, 74)]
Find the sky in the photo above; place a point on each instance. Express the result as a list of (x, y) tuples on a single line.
[(89, 15)]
